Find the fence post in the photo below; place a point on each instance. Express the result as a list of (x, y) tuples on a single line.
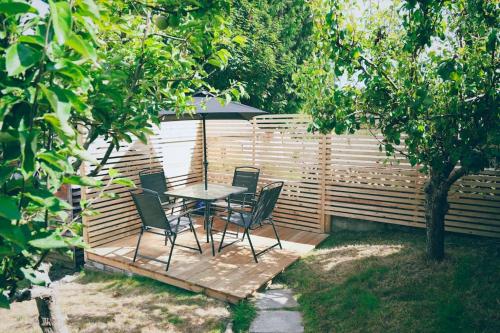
[(254, 140), (324, 219)]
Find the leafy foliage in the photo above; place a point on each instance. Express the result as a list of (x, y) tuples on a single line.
[(424, 73), (272, 40), (426, 69), (152, 57), (75, 69)]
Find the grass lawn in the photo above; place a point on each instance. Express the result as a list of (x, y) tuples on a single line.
[(381, 282), (101, 302)]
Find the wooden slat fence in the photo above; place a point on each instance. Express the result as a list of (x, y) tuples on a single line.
[(324, 175), (175, 147)]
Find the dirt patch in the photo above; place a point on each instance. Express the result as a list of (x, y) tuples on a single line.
[(328, 259), (98, 302)]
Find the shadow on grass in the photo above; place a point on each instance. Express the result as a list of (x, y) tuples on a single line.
[(371, 290)]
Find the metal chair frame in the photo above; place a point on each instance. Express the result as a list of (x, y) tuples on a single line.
[(262, 212), (251, 190), (166, 231), (167, 202), (243, 201)]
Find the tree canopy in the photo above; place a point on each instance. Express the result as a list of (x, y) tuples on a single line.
[(75, 71), (275, 40), (423, 73)]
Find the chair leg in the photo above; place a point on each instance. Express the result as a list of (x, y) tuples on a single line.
[(251, 245), (138, 243), (223, 235), (191, 228), (276, 234), (171, 251), (194, 232)]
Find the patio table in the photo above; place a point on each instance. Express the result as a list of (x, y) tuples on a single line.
[(212, 193)]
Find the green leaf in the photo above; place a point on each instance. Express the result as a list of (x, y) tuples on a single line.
[(62, 110), (57, 161), (113, 173), (61, 20), (28, 140), (47, 199), (90, 7), (82, 181), (53, 241), (6, 251), (4, 301), (492, 40), (54, 181), (76, 241), (240, 40), (8, 208), (71, 70), (123, 181), (82, 46), (215, 62), (19, 57), (18, 235), (5, 173), (32, 39), (16, 7), (7, 137), (85, 155), (110, 195)]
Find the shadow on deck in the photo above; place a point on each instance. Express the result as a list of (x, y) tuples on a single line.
[(231, 275)]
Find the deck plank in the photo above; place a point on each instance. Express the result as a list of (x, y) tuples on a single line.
[(231, 275)]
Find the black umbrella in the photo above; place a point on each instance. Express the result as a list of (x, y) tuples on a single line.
[(212, 110)]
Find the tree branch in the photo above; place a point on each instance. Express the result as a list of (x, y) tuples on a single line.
[(105, 158), (163, 35), (455, 175), (372, 64), (384, 74)]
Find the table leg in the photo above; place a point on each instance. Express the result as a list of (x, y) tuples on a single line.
[(206, 219)]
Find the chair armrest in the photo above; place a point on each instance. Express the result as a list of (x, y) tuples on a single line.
[(245, 200)]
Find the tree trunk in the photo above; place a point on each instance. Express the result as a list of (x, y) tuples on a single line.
[(50, 318), (436, 207)]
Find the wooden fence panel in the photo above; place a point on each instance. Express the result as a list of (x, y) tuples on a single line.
[(282, 149), (324, 175), (175, 147)]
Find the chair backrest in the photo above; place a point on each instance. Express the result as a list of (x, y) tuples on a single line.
[(248, 177), (154, 179), (268, 197), (149, 207)]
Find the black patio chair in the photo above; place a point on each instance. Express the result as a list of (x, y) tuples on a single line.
[(261, 213), (154, 179), (244, 176), (154, 220)]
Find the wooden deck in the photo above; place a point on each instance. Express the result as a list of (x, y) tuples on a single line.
[(231, 275)]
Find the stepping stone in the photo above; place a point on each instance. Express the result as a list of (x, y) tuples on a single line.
[(277, 321), (276, 299)]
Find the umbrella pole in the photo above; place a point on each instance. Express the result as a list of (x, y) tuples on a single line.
[(205, 161)]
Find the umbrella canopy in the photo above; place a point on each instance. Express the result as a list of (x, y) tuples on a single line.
[(212, 110)]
